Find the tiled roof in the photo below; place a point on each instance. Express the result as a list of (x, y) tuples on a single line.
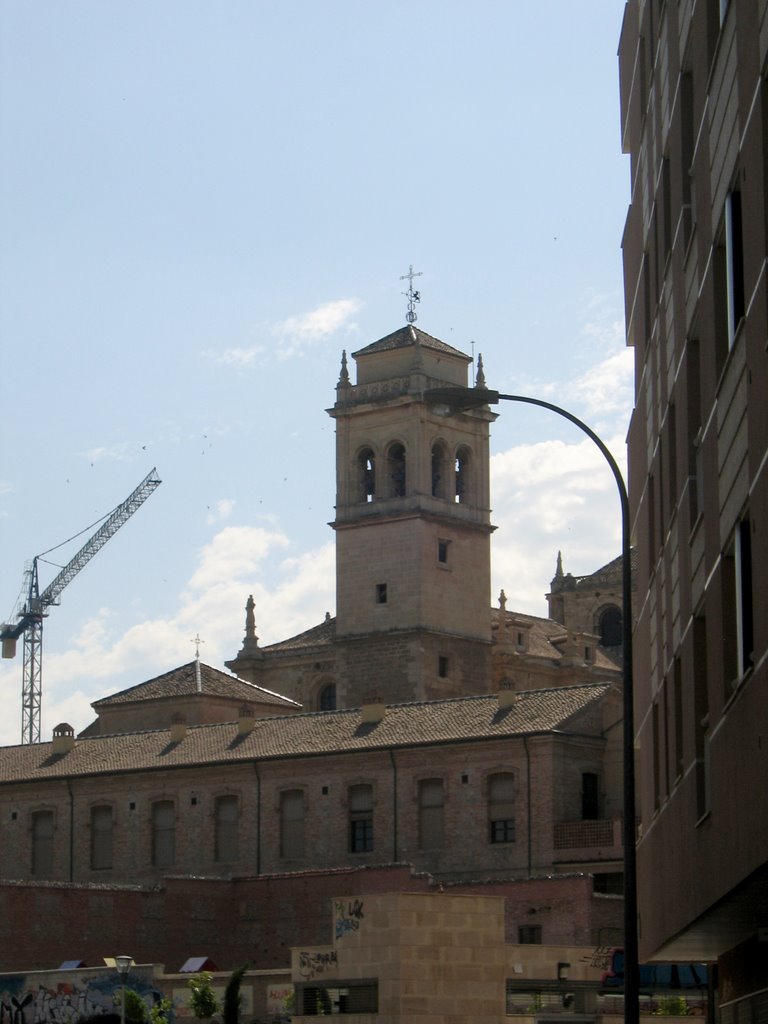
[(182, 682), (542, 637), (317, 636), (404, 725), (608, 574), (406, 337)]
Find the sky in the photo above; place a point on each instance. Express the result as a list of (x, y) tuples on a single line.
[(202, 205)]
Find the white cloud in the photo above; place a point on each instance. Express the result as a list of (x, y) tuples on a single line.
[(240, 358), (105, 656), (114, 454), (548, 497), (607, 388), (221, 510), (293, 335), (297, 332)]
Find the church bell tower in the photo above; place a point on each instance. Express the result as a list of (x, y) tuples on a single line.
[(412, 526)]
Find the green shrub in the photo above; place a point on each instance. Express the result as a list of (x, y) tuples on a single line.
[(202, 1001), (232, 997), (160, 1012), (672, 1006), (135, 1008)]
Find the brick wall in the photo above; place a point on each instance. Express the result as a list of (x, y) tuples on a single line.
[(254, 920)]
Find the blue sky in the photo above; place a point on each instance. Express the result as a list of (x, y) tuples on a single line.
[(202, 205)]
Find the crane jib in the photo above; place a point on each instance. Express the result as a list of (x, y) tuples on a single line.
[(30, 618)]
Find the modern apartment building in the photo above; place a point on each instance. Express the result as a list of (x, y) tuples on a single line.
[(694, 93)]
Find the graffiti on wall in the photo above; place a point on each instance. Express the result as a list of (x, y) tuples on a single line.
[(64, 999), (600, 957), (347, 917), (316, 962)]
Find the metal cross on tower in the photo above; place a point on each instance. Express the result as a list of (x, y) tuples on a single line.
[(412, 296)]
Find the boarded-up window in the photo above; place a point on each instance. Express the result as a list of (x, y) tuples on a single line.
[(227, 817), (163, 833), (501, 808), (292, 823), (42, 844), (361, 818), (101, 837), (431, 804)]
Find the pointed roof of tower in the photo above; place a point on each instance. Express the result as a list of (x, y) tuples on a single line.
[(408, 337)]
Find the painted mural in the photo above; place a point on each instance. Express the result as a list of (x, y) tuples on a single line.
[(66, 997)]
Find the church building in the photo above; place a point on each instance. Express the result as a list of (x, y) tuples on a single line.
[(418, 726)]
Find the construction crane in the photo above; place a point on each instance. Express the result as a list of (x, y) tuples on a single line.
[(33, 609)]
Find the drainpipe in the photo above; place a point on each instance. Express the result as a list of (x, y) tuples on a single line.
[(394, 805), (71, 831), (528, 801), (258, 817)]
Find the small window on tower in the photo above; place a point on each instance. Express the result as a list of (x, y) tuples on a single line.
[(381, 593), (442, 551), (442, 666)]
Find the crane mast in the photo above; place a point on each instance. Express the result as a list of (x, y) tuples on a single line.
[(33, 611)]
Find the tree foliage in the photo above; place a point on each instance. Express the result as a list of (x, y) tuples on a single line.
[(232, 997), (202, 1001)]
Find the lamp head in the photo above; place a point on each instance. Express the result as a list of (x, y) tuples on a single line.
[(450, 401), (123, 964)]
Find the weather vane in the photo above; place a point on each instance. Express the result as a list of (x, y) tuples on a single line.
[(412, 296)]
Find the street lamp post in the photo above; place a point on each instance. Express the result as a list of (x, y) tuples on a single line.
[(453, 400), (123, 965)]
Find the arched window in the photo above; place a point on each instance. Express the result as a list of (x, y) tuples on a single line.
[(396, 470), (463, 471), (609, 626), (439, 470), (163, 833), (431, 804), (292, 824), (102, 824), (42, 844), (326, 700), (366, 475), (226, 819)]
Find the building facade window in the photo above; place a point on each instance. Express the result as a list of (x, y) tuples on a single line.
[(366, 475), (590, 796), (292, 814), (442, 666), (439, 470), (42, 844), (442, 551), (102, 824), (501, 808), (734, 254), (381, 593), (463, 474), (743, 586), (361, 818), (431, 814), (163, 834), (327, 699), (397, 470), (738, 626), (529, 935), (609, 626), (226, 814)]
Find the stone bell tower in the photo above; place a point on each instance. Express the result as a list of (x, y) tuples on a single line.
[(412, 526)]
